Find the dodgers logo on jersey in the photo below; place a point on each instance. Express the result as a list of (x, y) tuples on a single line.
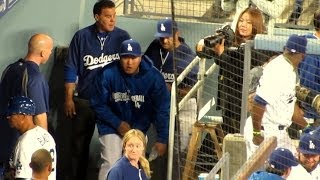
[(96, 62), (137, 99)]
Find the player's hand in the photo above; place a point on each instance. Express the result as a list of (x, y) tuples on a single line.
[(257, 139), (69, 108), (123, 128), (161, 148)]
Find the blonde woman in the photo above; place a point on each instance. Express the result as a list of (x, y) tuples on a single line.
[(133, 165)]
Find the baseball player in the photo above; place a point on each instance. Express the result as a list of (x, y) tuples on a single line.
[(129, 94), (91, 48), (275, 101), (279, 166), (169, 44), (308, 154), (24, 78), (21, 111)]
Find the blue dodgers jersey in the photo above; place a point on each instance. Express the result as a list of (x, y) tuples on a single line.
[(163, 60), (25, 79), (139, 99), (89, 52)]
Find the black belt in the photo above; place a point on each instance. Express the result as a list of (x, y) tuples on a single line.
[(280, 127)]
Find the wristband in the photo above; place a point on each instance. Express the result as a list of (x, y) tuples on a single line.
[(256, 133)]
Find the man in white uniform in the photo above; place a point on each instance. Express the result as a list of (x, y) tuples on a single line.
[(20, 115), (275, 102), (308, 154)]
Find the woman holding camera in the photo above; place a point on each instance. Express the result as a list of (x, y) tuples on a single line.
[(231, 63)]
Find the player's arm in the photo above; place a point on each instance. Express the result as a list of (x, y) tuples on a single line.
[(100, 103), (161, 107), (298, 116), (69, 106), (41, 120), (258, 109)]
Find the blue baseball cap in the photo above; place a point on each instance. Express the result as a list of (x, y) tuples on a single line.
[(165, 28), (282, 159), (309, 143), (296, 44), (21, 105), (130, 48)]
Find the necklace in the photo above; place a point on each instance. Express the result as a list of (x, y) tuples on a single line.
[(163, 60)]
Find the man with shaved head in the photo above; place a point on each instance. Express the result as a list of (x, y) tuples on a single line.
[(41, 164), (23, 77)]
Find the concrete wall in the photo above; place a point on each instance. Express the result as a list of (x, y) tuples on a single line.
[(57, 18)]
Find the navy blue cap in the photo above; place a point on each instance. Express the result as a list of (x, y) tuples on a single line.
[(296, 44), (309, 143), (130, 48), (165, 27), (21, 105), (282, 159)]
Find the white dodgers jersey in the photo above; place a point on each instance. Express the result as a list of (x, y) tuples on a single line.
[(27, 144)]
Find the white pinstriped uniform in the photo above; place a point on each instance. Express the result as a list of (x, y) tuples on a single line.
[(27, 144)]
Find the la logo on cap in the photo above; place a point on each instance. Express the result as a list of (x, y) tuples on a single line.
[(311, 145), (129, 47), (162, 27)]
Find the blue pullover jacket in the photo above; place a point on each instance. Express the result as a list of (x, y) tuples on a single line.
[(123, 170), (139, 99)]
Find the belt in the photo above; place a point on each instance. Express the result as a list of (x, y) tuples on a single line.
[(280, 127)]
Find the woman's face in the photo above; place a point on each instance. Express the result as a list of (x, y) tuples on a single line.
[(134, 149), (245, 26)]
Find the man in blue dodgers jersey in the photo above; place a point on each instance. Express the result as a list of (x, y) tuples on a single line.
[(91, 48), (161, 53), (309, 72), (160, 50), (130, 93), (24, 78)]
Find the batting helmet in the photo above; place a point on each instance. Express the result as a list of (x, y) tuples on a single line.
[(21, 105)]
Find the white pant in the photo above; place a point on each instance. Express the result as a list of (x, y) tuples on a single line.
[(248, 135), (187, 117), (283, 139), (111, 151)]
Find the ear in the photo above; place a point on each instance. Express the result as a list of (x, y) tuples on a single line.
[(49, 168), (42, 53), (96, 17)]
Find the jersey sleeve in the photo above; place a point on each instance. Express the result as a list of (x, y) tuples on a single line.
[(100, 95), (72, 63), (161, 107), (38, 91)]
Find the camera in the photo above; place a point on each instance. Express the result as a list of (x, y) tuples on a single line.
[(308, 96), (225, 32), (204, 48)]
